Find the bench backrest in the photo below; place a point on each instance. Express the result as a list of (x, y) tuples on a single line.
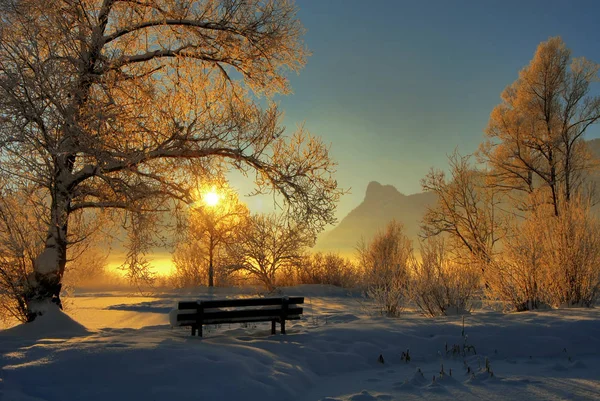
[(210, 312), (235, 303)]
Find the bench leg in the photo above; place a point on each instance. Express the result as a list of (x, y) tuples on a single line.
[(193, 331), (282, 326), (200, 331), (272, 326)]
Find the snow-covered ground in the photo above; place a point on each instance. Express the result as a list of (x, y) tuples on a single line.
[(122, 348)]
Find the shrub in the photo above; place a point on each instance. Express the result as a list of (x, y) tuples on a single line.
[(550, 260), (326, 268), (572, 242), (386, 261), (516, 276), (442, 285)]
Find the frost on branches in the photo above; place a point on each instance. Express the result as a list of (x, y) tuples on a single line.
[(117, 107)]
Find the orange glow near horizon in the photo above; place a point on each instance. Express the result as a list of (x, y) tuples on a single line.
[(161, 265)]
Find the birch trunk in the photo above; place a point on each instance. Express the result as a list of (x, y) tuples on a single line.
[(44, 283)]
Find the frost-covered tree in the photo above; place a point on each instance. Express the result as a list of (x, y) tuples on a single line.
[(536, 134), (509, 214), (538, 160), (116, 104)]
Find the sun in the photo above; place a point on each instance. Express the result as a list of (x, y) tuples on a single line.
[(211, 198)]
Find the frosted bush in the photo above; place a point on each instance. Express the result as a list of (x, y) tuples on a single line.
[(550, 260), (572, 242), (440, 284), (326, 268), (386, 261)]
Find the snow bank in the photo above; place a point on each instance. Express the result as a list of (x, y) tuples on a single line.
[(54, 323)]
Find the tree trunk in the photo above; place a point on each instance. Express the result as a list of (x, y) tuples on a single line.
[(553, 183), (44, 283), (211, 271)]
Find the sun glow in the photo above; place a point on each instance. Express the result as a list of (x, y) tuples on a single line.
[(211, 198)]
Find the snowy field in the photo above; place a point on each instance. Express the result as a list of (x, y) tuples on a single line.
[(122, 348)]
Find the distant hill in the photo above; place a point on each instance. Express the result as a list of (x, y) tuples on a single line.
[(383, 203)]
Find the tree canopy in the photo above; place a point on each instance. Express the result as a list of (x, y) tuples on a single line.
[(118, 105), (536, 134)]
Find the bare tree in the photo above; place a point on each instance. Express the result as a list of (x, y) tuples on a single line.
[(536, 133), (114, 104), (466, 209), (268, 243), (218, 225), (211, 227)]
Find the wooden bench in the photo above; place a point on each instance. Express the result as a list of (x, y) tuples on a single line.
[(198, 313)]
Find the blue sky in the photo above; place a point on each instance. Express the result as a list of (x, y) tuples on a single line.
[(395, 86)]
